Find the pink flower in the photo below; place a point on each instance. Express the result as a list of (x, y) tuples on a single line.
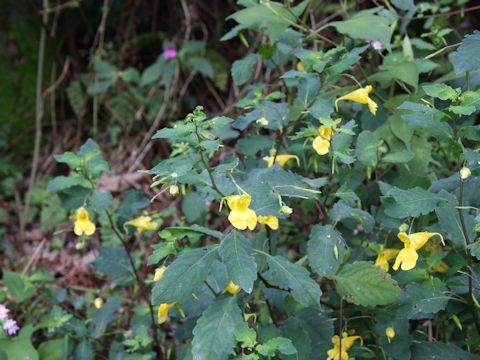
[(10, 326), (377, 45), (3, 312), (170, 53)]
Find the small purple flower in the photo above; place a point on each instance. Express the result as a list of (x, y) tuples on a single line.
[(3, 312), (170, 53), (377, 45), (10, 326)]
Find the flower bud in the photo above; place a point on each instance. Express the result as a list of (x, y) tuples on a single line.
[(98, 303), (403, 228), (159, 273), (465, 173), (173, 190), (262, 121), (390, 332), (286, 210)]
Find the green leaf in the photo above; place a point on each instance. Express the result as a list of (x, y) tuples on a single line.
[(326, 249), (428, 118), (294, 330), (242, 70), (113, 261), (367, 148), (247, 336), (63, 182), (363, 283), (342, 212), (440, 91), (409, 203), (405, 71), (214, 333), (417, 298), (366, 26), (83, 351), (73, 197), (235, 251), (51, 349), (100, 200), (277, 344), (449, 222), (182, 231), (320, 331), (184, 275), (17, 286), (203, 66), (287, 275), (160, 252), (193, 206), (19, 347), (103, 316), (438, 350), (465, 58)]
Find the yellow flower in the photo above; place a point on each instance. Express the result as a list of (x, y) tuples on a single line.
[(347, 343), (390, 332), (269, 220), (98, 303), (384, 256), (163, 312), (241, 217), (360, 96), (281, 159), (408, 256), (321, 144), (300, 66), (83, 225), (143, 223), (159, 273), (232, 288)]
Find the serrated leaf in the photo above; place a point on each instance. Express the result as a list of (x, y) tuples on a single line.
[(465, 58), (184, 275), (287, 275), (294, 330), (417, 298), (242, 70), (341, 212), (17, 286), (326, 249), (440, 91), (363, 283), (100, 200), (433, 350), (246, 335), (103, 316), (113, 261), (235, 252), (367, 148), (193, 206), (412, 202), (214, 333), (277, 344), (63, 182), (320, 330)]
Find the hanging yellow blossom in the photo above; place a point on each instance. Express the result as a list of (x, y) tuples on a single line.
[(408, 256), (143, 223), (360, 96), (241, 217), (281, 159), (321, 144), (163, 312), (159, 273), (384, 256), (83, 225), (347, 343), (232, 288), (269, 220), (390, 333)]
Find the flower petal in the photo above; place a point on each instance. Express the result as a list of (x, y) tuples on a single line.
[(320, 145)]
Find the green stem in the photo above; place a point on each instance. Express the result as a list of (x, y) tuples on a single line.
[(140, 283)]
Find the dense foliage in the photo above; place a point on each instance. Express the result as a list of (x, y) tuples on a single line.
[(330, 213)]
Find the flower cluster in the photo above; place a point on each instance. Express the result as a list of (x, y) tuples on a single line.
[(8, 324)]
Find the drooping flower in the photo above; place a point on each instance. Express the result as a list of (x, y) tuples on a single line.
[(360, 96), (163, 312), (159, 273), (384, 256), (280, 159), (465, 173), (408, 256), (143, 223), (377, 45), (241, 217), (170, 53), (232, 288), (98, 303), (390, 333), (347, 343), (269, 220), (321, 143), (10, 326), (82, 224), (3, 312)]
